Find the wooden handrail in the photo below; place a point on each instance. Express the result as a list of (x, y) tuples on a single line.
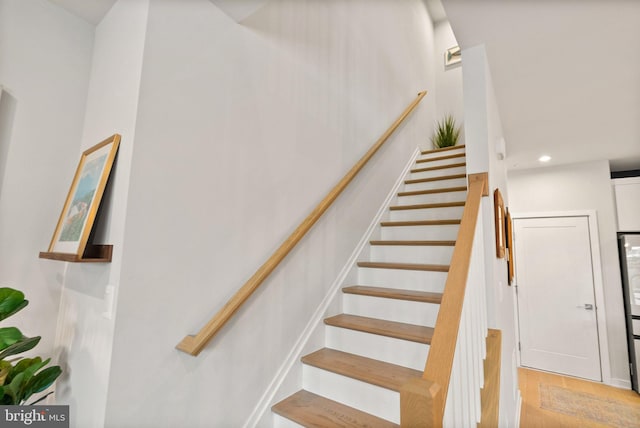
[(193, 344)]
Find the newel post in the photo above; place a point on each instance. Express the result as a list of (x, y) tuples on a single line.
[(421, 404)]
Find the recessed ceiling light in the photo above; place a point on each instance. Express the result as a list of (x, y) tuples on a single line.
[(544, 158)]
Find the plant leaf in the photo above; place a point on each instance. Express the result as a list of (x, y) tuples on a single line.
[(23, 364), (5, 398), (34, 367), (21, 346), (11, 301), (41, 381), (13, 389), (3, 376), (9, 336), (29, 373)]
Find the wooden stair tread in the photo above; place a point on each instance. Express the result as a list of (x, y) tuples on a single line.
[(420, 223), (314, 411), (439, 158), (440, 178), (432, 191), (416, 243), (397, 330), (435, 168), (405, 266), (443, 149), (379, 373), (427, 206), (394, 293)]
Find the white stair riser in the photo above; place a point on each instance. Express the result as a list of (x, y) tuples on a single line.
[(368, 398), (428, 254), (451, 182), (282, 422), (395, 351), (403, 279), (436, 173), (418, 313), (438, 154), (426, 214), (419, 233), (439, 162), (432, 198)]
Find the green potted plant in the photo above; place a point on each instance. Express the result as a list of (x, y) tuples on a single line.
[(20, 377), (446, 133)]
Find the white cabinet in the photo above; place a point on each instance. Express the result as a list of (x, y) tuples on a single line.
[(627, 194)]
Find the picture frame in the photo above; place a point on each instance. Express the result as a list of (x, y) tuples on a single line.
[(509, 236), (83, 200), (498, 207)]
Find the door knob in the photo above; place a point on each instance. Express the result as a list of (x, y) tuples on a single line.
[(587, 306)]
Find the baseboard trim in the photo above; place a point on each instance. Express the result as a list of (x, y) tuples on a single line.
[(619, 383), (296, 352)]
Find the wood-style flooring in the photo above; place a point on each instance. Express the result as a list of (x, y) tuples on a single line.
[(533, 416)]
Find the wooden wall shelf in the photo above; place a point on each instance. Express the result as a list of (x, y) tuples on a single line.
[(92, 254)]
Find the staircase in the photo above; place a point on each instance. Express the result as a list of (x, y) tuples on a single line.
[(381, 341)]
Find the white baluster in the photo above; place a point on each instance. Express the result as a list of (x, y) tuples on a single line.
[(455, 389), (463, 406), (476, 348), (464, 335)]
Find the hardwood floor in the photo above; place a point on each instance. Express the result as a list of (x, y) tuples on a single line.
[(533, 416)]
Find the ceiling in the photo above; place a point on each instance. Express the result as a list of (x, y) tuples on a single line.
[(91, 11), (566, 74)]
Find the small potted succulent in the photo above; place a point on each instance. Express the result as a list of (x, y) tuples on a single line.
[(446, 133)]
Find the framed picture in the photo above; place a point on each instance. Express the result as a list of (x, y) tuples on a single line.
[(509, 235), (83, 200), (498, 207)]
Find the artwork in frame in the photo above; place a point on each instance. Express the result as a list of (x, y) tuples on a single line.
[(498, 206), (81, 206), (509, 235)]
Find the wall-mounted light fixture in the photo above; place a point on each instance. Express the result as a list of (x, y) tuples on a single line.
[(452, 56)]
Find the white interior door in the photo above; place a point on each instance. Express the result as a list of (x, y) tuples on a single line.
[(556, 300)]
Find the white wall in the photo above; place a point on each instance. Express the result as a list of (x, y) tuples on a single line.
[(583, 186), (45, 58), (449, 98), (483, 128), (89, 294), (241, 130)]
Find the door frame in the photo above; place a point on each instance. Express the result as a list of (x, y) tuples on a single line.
[(598, 283)]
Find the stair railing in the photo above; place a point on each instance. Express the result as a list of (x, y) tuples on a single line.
[(193, 344), (449, 391)]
